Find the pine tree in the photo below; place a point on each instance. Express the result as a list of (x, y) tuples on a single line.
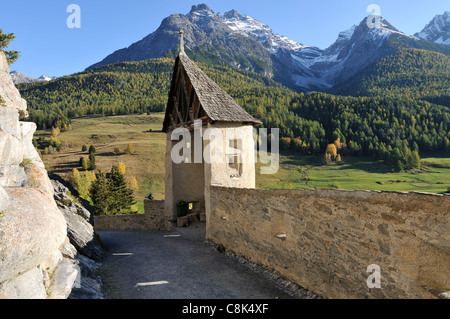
[(121, 197), (5, 39), (92, 165), (92, 149), (84, 163), (100, 195)]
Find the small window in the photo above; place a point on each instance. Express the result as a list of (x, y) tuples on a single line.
[(234, 158)]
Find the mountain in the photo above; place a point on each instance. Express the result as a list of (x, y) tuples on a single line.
[(388, 127), (355, 49), (438, 30), (409, 73), (204, 33), (46, 77), (249, 44), (259, 31), (19, 77)]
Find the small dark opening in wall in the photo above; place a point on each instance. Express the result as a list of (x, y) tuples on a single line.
[(149, 196)]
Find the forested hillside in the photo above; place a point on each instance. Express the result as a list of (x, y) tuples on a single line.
[(390, 127), (409, 73), (123, 89), (394, 121)]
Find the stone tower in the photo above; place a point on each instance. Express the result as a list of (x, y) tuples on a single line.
[(209, 139)]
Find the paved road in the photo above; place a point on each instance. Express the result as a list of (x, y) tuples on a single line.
[(176, 265)]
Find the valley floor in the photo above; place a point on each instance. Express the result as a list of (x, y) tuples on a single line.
[(295, 171)]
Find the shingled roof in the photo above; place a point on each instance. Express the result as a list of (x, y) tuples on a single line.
[(215, 102)]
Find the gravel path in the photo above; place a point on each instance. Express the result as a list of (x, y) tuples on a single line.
[(178, 265)]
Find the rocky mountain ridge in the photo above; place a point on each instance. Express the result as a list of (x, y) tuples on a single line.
[(249, 44), (18, 77), (438, 30)]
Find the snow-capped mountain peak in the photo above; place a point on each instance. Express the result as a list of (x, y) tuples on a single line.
[(19, 77), (382, 28), (46, 77), (438, 30), (254, 28), (347, 34), (200, 13)]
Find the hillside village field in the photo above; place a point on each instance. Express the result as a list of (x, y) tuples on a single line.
[(295, 171)]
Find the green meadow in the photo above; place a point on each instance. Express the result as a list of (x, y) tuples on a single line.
[(356, 173), (295, 171)]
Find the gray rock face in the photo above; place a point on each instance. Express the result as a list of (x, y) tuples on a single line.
[(37, 260), (84, 248), (88, 284), (80, 231), (8, 92), (27, 286), (63, 279), (31, 228)]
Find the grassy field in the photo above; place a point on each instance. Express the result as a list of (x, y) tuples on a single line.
[(353, 173), (295, 171), (105, 133)]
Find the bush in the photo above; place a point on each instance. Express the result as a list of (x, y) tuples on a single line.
[(117, 150)]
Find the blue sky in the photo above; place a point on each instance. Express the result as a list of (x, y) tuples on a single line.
[(47, 45)]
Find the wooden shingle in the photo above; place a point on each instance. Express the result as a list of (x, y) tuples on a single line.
[(190, 85)]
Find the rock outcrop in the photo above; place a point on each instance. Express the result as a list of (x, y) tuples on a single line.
[(37, 258), (86, 248)]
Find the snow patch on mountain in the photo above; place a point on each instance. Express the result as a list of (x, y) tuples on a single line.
[(200, 13), (255, 29), (438, 30), (310, 82)]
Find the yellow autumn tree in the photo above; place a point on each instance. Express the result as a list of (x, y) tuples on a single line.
[(130, 149), (338, 143), (133, 184), (121, 168), (75, 177), (55, 131), (331, 152)]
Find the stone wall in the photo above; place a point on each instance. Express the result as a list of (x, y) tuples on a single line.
[(153, 219), (324, 240)]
